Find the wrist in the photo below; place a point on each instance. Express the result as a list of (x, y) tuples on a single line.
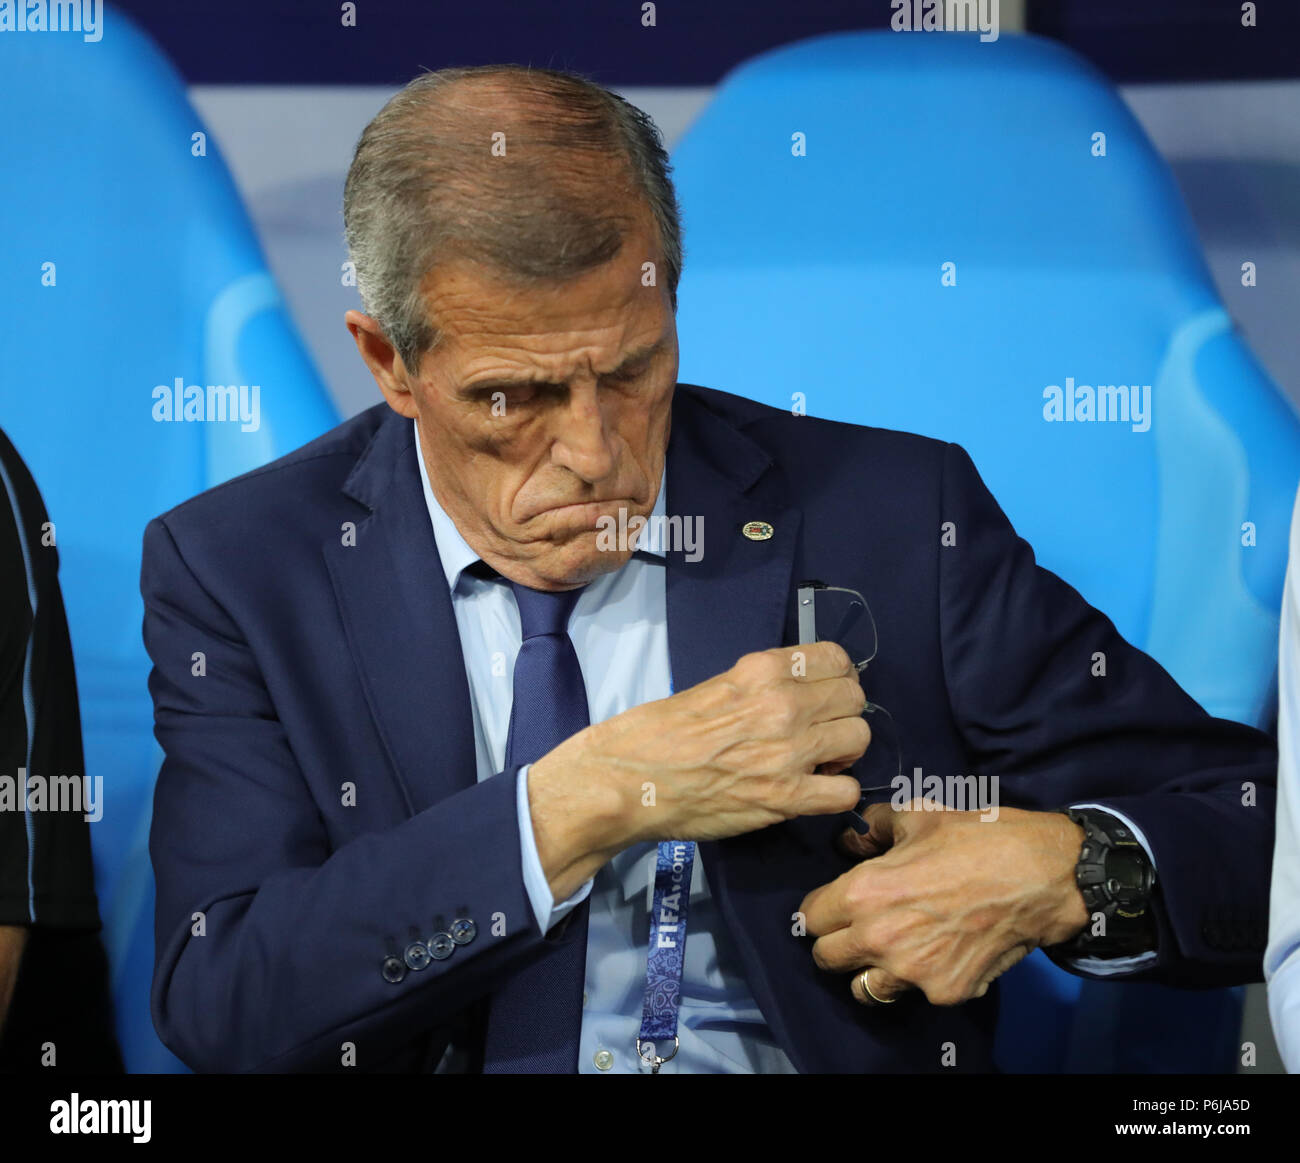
[(1070, 915), (578, 823)]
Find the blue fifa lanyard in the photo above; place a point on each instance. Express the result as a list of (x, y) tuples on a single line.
[(664, 963), (663, 976)]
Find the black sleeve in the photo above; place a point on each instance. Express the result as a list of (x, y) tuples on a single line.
[(46, 874)]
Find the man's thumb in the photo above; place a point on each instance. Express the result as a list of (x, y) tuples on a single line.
[(879, 837)]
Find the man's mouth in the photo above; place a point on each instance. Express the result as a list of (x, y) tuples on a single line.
[(587, 512)]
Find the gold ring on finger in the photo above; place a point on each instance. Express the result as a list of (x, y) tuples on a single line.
[(865, 978)]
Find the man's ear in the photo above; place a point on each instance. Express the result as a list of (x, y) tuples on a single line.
[(383, 361)]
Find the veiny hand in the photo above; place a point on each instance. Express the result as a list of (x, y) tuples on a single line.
[(945, 902), (740, 751)]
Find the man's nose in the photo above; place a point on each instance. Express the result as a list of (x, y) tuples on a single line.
[(582, 441)]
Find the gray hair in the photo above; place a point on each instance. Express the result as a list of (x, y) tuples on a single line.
[(581, 167)]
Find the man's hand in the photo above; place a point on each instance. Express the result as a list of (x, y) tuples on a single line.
[(740, 751), (945, 902)]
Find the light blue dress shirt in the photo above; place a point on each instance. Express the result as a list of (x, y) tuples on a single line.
[(619, 629), (1282, 957)]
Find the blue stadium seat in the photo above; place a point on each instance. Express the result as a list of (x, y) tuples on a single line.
[(824, 189), (154, 273)]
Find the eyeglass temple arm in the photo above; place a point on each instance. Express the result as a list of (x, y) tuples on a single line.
[(807, 610)]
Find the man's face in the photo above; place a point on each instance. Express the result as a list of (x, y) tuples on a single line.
[(544, 409)]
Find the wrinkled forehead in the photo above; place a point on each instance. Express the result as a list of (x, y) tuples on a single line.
[(484, 317)]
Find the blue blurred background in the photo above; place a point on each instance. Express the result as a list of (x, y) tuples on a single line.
[(184, 175)]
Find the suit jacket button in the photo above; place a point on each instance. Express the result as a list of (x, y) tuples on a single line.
[(393, 970), (417, 955), (463, 930), (441, 946)]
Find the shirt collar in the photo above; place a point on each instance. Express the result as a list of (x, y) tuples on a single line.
[(453, 549)]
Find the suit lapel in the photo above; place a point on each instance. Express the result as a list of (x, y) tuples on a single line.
[(734, 600), (401, 629)]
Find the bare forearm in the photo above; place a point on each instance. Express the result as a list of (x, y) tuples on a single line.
[(736, 752)]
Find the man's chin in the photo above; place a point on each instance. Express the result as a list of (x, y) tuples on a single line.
[(585, 564), (563, 565)]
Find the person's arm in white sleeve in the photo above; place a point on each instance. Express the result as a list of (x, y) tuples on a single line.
[(1282, 957)]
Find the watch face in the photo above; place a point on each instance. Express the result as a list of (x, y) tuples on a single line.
[(1126, 873)]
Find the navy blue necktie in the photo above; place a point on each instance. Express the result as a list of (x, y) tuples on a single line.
[(535, 1019)]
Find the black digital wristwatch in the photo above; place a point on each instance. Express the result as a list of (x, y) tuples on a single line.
[(1117, 880)]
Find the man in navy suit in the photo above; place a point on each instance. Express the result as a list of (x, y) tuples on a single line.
[(440, 740)]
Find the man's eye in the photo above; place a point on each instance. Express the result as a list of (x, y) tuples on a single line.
[(513, 397), (627, 377)]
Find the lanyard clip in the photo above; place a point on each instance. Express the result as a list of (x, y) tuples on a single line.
[(646, 1052)]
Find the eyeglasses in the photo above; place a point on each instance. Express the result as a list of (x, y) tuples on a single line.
[(834, 614)]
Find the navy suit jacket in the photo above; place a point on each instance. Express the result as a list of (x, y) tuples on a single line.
[(318, 804)]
